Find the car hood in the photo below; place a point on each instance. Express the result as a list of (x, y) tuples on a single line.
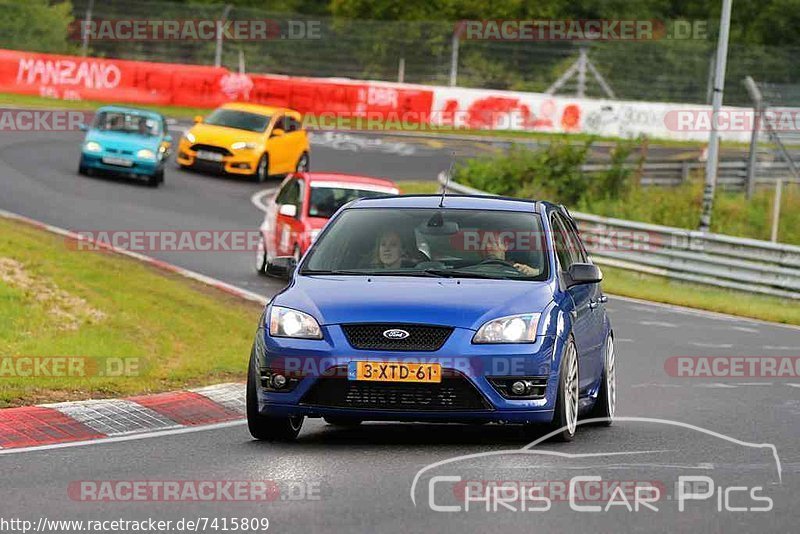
[(463, 303), (124, 141), (223, 136)]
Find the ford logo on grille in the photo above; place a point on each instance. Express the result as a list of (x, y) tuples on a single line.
[(395, 333)]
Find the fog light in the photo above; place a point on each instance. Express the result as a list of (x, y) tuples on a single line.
[(278, 381), (518, 388)]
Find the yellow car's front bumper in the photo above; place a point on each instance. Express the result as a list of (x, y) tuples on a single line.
[(231, 161)]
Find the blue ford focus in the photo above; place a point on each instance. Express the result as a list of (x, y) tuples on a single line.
[(456, 309)]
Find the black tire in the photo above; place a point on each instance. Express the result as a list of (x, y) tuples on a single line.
[(342, 421), (303, 163), (263, 427), (565, 421), (156, 178), (606, 404), (262, 170), (83, 170)]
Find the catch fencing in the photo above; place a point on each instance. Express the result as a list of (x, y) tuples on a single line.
[(748, 265)]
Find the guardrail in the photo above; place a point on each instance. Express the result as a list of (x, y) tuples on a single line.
[(743, 264), (732, 174)]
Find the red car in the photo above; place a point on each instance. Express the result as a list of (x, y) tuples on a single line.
[(302, 206)]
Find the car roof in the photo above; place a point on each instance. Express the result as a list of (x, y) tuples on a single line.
[(259, 109), (482, 202), (128, 109), (354, 179)]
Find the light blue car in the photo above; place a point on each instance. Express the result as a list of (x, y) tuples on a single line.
[(129, 141)]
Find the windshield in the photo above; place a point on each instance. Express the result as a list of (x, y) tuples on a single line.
[(121, 121), (432, 242), (241, 120), (325, 201)]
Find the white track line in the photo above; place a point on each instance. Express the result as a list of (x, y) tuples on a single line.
[(258, 198), (117, 439)]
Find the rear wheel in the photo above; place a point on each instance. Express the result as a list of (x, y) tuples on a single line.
[(262, 170), (565, 418), (303, 164), (263, 427), (606, 403)]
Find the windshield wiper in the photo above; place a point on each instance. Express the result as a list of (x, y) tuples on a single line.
[(457, 273), (388, 272)]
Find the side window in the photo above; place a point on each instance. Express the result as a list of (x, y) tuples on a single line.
[(283, 196), (280, 124), (560, 242), (292, 124), (578, 250), (164, 125)]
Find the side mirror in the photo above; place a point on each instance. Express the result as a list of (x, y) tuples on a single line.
[(167, 138), (198, 119), (82, 127), (282, 267), (277, 132), (583, 273), (290, 210)]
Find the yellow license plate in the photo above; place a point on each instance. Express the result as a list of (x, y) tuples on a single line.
[(395, 372)]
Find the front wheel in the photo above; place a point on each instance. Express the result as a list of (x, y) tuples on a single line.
[(83, 170), (261, 256), (156, 178), (262, 170), (263, 427), (565, 417), (606, 404)]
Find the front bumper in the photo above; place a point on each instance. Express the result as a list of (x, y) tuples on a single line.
[(242, 162), (94, 160), (313, 362)]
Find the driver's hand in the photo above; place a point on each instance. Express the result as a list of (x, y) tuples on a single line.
[(527, 270)]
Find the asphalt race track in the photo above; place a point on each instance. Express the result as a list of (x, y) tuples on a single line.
[(360, 480)]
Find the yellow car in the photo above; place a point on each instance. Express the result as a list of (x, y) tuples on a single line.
[(246, 139)]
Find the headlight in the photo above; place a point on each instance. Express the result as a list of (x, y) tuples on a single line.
[(92, 146), (284, 322), (511, 329), (239, 145), (145, 154), (189, 137)]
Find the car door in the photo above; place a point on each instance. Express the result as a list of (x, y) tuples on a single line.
[(289, 225), (279, 147), (596, 324), (581, 297)]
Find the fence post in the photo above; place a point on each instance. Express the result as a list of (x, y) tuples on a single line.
[(85, 33), (218, 51), (755, 94), (454, 57), (401, 70), (776, 210), (684, 172)]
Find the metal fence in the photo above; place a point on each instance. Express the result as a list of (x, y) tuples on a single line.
[(423, 52), (731, 174), (724, 261)]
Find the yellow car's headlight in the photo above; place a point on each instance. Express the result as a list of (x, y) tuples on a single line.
[(189, 136), (92, 146), (146, 154), (241, 145)]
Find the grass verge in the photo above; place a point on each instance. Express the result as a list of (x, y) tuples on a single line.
[(660, 289), (117, 326)]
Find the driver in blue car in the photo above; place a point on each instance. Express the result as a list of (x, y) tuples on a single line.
[(496, 249)]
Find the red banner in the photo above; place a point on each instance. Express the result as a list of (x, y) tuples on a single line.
[(139, 82)]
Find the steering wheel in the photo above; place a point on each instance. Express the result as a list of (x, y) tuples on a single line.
[(496, 261)]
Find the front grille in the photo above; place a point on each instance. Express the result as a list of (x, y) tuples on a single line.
[(209, 166), (212, 148), (453, 393), (422, 338)]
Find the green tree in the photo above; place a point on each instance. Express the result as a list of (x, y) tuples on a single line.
[(36, 25)]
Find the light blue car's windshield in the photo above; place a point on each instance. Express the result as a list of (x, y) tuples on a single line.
[(241, 120), (432, 242), (120, 121)]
